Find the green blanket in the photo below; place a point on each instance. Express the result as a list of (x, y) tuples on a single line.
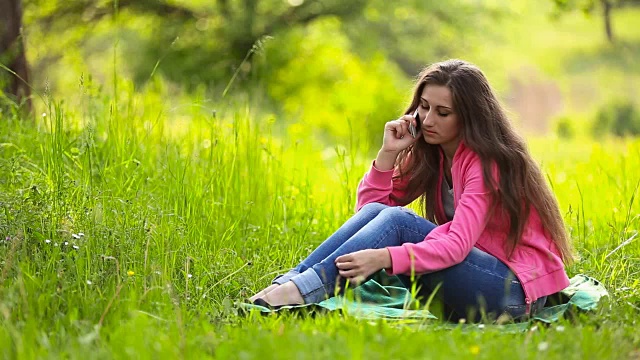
[(392, 301)]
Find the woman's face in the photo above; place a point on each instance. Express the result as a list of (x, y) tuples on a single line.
[(439, 120)]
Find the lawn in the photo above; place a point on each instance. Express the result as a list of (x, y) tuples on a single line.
[(126, 236)]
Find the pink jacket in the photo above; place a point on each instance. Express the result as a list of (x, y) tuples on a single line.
[(536, 261)]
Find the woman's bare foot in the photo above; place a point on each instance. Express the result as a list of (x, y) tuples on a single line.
[(263, 292), (285, 294)]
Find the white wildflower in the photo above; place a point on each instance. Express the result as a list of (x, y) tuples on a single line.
[(543, 346)]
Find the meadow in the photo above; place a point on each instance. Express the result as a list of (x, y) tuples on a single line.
[(134, 218), (126, 234)]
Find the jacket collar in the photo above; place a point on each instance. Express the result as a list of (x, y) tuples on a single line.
[(462, 148), (439, 211)]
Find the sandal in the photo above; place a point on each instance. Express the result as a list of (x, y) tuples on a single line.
[(263, 303)]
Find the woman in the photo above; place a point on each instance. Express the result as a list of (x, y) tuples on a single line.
[(493, 241)]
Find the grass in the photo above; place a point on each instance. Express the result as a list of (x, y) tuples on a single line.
[(131, 224), (129, 230)]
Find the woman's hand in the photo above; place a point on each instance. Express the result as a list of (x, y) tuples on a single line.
[(396, 134), (359, 265)]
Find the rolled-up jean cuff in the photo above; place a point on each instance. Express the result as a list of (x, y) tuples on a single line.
[(310, 286), (281, 279)]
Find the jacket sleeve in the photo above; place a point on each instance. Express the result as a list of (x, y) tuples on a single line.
[(450, 243), (377, 186)]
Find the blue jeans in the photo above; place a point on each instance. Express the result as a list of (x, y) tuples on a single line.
[(480, 285)]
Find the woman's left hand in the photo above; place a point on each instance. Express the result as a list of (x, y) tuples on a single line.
[(359, 265)]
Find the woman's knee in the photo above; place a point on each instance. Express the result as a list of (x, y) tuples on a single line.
[(395, 214), (373, 207)]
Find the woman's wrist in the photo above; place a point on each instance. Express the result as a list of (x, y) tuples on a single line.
[(386, 160), (385, 258)]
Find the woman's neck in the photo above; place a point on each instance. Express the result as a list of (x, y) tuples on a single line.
[(449, 150)]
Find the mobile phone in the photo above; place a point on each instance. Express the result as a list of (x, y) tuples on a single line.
[(414, 130)]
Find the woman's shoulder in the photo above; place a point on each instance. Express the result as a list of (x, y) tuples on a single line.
[(466, 157), (470, 162)]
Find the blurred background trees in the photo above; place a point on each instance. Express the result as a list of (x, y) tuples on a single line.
[(209, 39), (328, 65), (591, 7)]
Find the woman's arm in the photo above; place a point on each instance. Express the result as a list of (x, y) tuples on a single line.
[(378, 184), (386, 160), (449, 243)]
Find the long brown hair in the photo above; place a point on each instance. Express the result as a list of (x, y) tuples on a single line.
[(486, 130)]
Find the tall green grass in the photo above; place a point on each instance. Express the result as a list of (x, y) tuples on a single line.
[(129, 229)]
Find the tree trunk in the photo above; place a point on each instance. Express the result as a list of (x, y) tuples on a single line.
[(606, 12), (12, 53)]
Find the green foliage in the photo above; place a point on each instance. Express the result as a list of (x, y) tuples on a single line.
[(164, 184), (619, 117), (320, 83), (198, 42), (413, 33), (588, 6), (604, 8), (129, 227), (565, 127), (186, 48), (193, 43)]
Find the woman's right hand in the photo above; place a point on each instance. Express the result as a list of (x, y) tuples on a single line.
[(396, 134)]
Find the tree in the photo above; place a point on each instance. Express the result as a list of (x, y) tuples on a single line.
[(206, 43), (213, 38), (12, 54), (591, 6), (412, 31), (196, 44)]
